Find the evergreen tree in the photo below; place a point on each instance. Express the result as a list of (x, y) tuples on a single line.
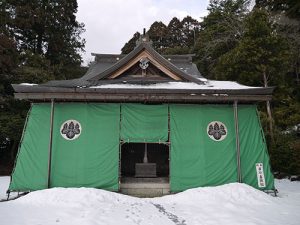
[(174, 33), (44, 27), (286, 15), (290, 7), (182, 35), (157, 34), (220, 32), (39, 41), (11, 119), (260, 58), (286, 105), (190, 30), (177, 38), (8, 54), (131, 44), (50, 29)]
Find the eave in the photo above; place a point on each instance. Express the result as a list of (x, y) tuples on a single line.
[(40, 93)]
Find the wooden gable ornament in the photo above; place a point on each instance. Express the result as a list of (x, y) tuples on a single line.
[(144, 63)]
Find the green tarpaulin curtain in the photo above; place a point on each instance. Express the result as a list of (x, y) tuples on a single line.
[(144, 123), (196, 159), (31, 168), (253, 148), (92, 159)]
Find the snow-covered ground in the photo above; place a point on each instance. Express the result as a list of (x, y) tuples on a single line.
[(231, 204)]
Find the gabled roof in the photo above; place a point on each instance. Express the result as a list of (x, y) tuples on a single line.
[(174, 78), (106, 64), (145, 48)]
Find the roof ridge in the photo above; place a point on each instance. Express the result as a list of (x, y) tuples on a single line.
[(165, 62)]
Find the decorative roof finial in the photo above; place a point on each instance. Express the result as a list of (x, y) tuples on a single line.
[(144, 38)]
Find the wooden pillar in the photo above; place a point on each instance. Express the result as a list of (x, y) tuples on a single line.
[(120, 149), (50, 143), (169, 142), (237, 141)]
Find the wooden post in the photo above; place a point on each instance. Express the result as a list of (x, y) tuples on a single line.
[(237, 142), (120, 149), (169, 141), (50, 143)]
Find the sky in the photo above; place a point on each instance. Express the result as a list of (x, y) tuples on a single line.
[(110, 24)]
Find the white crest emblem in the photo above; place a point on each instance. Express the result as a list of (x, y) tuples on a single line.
[(70, 129), (217, 130)]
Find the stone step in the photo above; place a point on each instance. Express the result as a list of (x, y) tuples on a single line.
[(145, 192), (145, 187)]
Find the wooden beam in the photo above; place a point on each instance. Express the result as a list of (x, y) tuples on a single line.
[(144, 54), (140, 97)]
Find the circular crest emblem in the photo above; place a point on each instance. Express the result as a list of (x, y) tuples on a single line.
[(217, 130), (70, 129)]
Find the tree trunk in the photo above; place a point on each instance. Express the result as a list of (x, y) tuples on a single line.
[(297, 73), (13, 152), (39, 46), (269, 112)]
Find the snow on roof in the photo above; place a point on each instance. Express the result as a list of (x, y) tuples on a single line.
[(27, 84), (209, 84)]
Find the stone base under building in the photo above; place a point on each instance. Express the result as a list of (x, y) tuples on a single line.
[(145, 187)]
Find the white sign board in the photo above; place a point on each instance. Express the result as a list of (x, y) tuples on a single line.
[(260, 175)]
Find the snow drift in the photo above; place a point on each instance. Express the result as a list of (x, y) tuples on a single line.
[(228, 204)]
